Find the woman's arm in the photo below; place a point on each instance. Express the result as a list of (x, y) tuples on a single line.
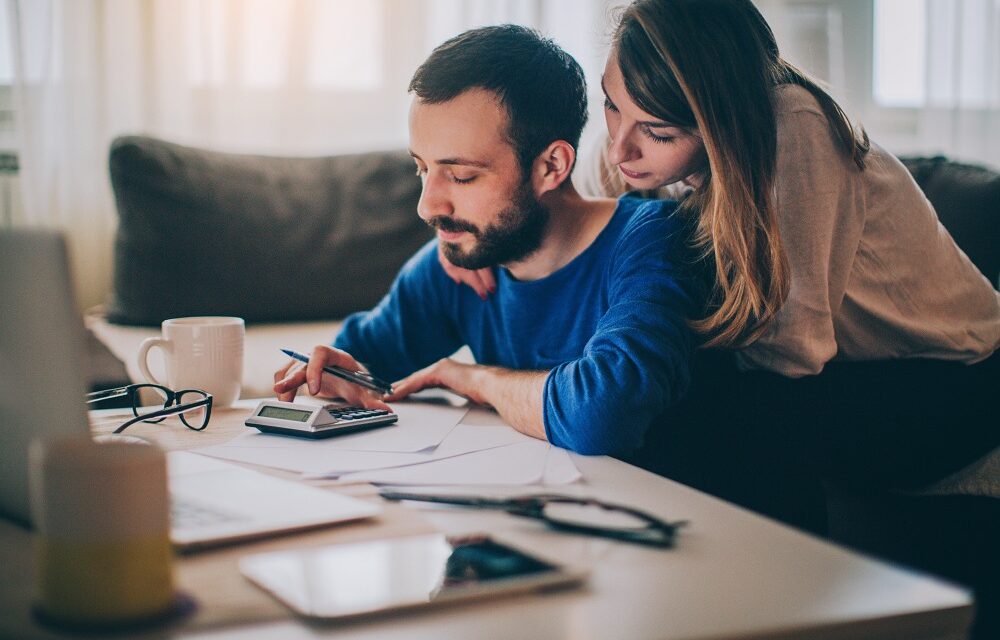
[(821, 216)]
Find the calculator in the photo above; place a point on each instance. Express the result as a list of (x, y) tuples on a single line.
[(316, 421)]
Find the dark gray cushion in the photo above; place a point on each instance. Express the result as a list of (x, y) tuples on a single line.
[(967, 200), (268, 239)]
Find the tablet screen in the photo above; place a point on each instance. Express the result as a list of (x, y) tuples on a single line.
[(354, 579)]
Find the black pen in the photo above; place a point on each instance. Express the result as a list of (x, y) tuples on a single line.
[(362, 378)]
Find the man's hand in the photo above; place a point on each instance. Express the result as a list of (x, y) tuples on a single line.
[(444, 374), (289, 378), (481, 280), (516, 395)]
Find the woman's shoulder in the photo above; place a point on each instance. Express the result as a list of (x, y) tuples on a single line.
[(805, 133), (793, 98), (800, 118)]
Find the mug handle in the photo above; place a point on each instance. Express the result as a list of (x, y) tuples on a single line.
[(144, 348)]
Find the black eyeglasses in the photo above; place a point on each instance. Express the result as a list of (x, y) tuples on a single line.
[(569, 513), (154, 402)]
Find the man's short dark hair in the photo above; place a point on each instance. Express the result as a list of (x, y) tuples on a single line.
[(541, 86)]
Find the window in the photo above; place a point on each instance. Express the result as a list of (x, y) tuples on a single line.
[(9, 197), (899, 60), (6, 93), (247, 44), (932, 54), (6, 49)]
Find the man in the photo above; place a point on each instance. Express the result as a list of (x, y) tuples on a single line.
[(584, 342)]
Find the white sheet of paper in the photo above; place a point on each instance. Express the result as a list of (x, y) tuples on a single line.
[(515, 464), (482, 417), (313, 460), (463, 439), (559, 468), (421, 426), (186, 463), (318, 459)]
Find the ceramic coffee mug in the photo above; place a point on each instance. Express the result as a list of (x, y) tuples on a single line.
[(200, 353), (102, 521)]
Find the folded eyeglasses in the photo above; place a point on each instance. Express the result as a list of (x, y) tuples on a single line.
[(154, 403)]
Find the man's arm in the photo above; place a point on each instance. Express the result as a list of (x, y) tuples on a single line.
[(516, 395), (638, 363), (634, 367)]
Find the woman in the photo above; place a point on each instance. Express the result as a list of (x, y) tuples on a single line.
[(870, 337)]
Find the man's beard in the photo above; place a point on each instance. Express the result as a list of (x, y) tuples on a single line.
[(517, 233)]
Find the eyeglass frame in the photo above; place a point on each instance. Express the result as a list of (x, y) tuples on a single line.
[(533, 506), (154, 417)]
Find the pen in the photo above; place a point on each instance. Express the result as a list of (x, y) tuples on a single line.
[(357, 377)]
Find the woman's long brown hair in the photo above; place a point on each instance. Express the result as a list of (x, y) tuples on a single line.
[(712, 66)]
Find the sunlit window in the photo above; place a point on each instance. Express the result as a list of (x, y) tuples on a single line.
[(937, 54), (900, 61), (347, 45), (6, 49), (264, 41), (267, 44)]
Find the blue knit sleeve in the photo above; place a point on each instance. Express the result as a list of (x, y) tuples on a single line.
[(638, 362), (411, 327)]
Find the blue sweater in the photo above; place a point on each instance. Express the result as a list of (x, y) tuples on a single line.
[(609, 327)]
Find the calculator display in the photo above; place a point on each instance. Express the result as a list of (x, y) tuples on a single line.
[(283, 413)]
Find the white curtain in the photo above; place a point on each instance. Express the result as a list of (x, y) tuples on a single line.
[(285, 77), (265, 76), (961, 116), (581, 27), (329, 76)]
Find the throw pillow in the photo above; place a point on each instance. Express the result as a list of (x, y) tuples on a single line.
[(967, 200), (269, 239)]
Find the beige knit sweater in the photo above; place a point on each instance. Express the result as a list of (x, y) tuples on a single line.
[(874, 275)]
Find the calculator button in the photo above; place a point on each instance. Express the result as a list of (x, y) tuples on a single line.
[(350, 413), (339, 411)]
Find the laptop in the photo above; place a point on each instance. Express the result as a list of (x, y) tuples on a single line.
[(41, 356), (213, 502), (42, 396)]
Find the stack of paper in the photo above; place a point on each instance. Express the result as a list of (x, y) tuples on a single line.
[(527, 462), (427, 446)]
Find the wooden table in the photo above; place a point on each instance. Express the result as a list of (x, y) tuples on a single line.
[(733, 574)]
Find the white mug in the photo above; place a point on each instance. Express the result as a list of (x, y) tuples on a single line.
[(201, 353)]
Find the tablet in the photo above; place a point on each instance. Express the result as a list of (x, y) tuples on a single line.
[(348, 581)]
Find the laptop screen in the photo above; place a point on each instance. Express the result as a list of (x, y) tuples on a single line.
[(41, 356)]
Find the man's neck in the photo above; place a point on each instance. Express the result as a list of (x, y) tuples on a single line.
[(574, 224)]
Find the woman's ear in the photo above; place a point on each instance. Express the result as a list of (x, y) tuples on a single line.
[(552, 167)]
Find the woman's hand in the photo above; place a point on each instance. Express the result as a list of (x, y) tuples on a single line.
[(289, 378), (481, 280)]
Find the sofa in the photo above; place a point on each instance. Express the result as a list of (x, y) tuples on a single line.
[(293, 245)]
